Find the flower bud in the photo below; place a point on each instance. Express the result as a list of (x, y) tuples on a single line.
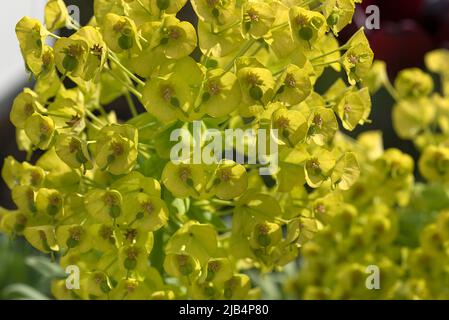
[(24, 106), (237, 287), (31, 35), (230, 180), (120, 33), (24, 197), (265, 235), (73, 151), (71, 55), (14, 223), (104, 205), (307, 26), (146, 213), (181, 265), (73, 236), (116, 149), (56, 14), (413, 83), (434, 163), (258, 18), (40, 130), (218, 270), (357, 62), (49, 201), (42, 238)]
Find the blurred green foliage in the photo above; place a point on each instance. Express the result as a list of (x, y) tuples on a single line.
[(24, 273)]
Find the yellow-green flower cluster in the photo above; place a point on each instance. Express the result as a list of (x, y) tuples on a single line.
[(387, 220), (421, 114), (106, 197), (406, 243)]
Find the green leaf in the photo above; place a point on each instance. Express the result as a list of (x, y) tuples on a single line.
[(45, 267), (23, 292)]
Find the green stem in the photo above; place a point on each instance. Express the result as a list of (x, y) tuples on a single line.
[(94, 126), (201, 203), (199, 97), (127, 85), (225, 124), (223, 202), (254, 166), (224, 213), (132, 106), (206, 57), (129, 73), (29, 155), (210, 183), (227, 28), (94, 117), (65, 219), (240, 53), (326, 63), (54, 35), (330, 52), (145, 145), (92, 182), (282, 220), (144, 8), (259, 47), (58, 115), (278, 72), (148, 125), (279, 26), (306, 3), (103, 113), (110, 264), (142, 38), (144, 153), (391, 90)]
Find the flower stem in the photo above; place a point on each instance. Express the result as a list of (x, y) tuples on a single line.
[(227, 28), (148, 125), (144, 8), (94, 117), (326, 63), (129, 73), (329, 53), (391, 90), (103, 113), (279, 26), (240, 53), (127, 85), (223, 202), (306, 3), (54, 35), (132, 106)]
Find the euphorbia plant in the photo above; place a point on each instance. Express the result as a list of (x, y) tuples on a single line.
[(105, 195), (388, 220)]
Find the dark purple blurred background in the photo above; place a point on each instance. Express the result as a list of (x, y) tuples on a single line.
[(409, 29)]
